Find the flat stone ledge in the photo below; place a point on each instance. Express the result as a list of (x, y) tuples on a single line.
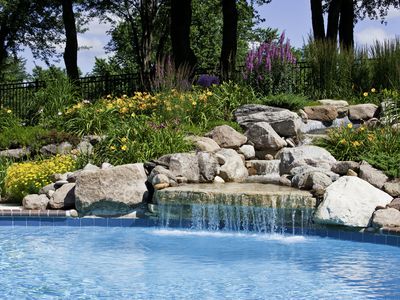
[(15, 212)]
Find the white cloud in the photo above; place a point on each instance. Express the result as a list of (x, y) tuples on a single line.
[(393, 13), (371, 34), (98, 28)]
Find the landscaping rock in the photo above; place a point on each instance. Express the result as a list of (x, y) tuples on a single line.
[(324, 113), (308, 180), (45, 190), (93, 139), (269, 157), (36, 202), (248, 151), (350, 172), (159, 170), (85, 148), (227, 137), (283, 121), (203, 143), (389, 217), (375, 177), (361, 112), (263, 167), (64, 148), (49, 150), (304, 169), (350, 201), (342, 167), (302, 114), (234, 168), (394, 204), (64, 197), (304, 155), (106, 165), (264, 137), (372, 123), (59, 183), (186, 165), (336, 103), (218, 179), (392, 188), (208, 166), (111, 192), (90, 167), (15, 153), (160, 179)]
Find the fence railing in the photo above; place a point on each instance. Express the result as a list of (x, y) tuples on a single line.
[(15, 95)]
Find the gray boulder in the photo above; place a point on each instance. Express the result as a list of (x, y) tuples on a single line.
[(264, 137), (233, 169), (310, 179), (342, 167), (64, 197), (388, 217), (208, 166), (35, 202), (350, 201), (203, 143), (361, 112), (15, 153), (324, 113), (85, 148), (160, 170), (248, 151), (283, 121), (395, 204), (375, 177), (185, 165), (392, 188), (111, 192), (227, 137), (304, 155)]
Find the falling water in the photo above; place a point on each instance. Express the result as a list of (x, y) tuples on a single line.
[(214, 217)]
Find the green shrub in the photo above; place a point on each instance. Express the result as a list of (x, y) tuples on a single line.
[(4, 164), (8, 119), (289, 101), (28, 177)]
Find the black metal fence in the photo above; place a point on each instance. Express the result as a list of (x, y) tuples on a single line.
[(16, 95)]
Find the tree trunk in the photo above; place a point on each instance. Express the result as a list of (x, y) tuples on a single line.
[(181, 18), (229, 38), (71, 45), (333, 20), (317, 17), (346, 25)]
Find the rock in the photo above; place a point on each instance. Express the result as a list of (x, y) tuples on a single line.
[(375, 177), (180, 179), (264, 137), (307, 154), (90, 167), (389, 217), (160, 186), (324, 113), (45, 190), (227, 137), (106, 165), (263, 167), (372, 123), (73, 213), (318, 191), (72, 177), (64, 197), (350, 201), (218, 179), (85, 148), (269, 157), (310, 169), (59, 183), (308, 179), (92, 139), (395, 204), (160, 178), (283, 180), (361, 112), (208, 166), (220, 158), (234, 168), (159, 170), (336, 103), (302, 114), (350, 172), (186, 165), (164, 160), (50, 149), (392, 188), (36, 202), (204, 143), (59, 177), (15, 153), (341, 167), (248, 151), (64, 148), (111, 192), (283, 121), (396, 127), (290, 142)]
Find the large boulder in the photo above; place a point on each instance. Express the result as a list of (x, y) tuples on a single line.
[(341, 106), (304, 155), (389, 217), (160, 170), (15, 153), (362, 112), (233, 169), (394, 204), (342, 167), (264, 137), (185, 165), (248, 151), (203, 143), (227, 137), (308, 180), (64, 197), (324, 113), (208, 166), (392, 188), (35, 201), (350, 201), (375, 177), (111, 192), (283, 121)]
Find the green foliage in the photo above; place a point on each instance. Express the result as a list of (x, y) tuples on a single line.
[(28, 177), (4, 164), (8, 119), (289, 101), (380, 147)]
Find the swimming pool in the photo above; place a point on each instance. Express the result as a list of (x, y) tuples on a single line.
[(152, 263)]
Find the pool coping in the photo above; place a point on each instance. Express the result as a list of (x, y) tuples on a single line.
[(53, 218)]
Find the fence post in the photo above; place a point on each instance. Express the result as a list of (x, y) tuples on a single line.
[(107, 84)]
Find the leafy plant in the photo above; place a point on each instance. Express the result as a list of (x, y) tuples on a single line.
[(8, 119), (289, 101), (4, 164)]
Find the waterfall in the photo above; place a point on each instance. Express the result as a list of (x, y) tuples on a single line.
[(215, 217)]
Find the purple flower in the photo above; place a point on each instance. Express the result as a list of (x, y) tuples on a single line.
[(206, 80)]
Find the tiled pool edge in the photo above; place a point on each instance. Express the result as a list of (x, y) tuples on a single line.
[(386, 236)]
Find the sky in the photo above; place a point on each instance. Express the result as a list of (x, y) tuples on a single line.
[(291, 16)]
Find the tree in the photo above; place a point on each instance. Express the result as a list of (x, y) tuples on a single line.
[(229, 37), (71, 40), (317, 17)]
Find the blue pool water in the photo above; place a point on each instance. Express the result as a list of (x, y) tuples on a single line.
[(151, 263)]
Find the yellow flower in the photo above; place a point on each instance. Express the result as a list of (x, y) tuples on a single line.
[(209, 93), (365, 94), (124, 147), (356, 143), (373, 90), (9, 111), (343, 141), (362, 128), (350, 125), (113, 148), (194, 103), (371, 137), (124, 140)]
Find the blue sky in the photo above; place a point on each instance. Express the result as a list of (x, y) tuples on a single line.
[(293, 16)]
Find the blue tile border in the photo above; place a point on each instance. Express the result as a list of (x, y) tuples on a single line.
[(383, 238)]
